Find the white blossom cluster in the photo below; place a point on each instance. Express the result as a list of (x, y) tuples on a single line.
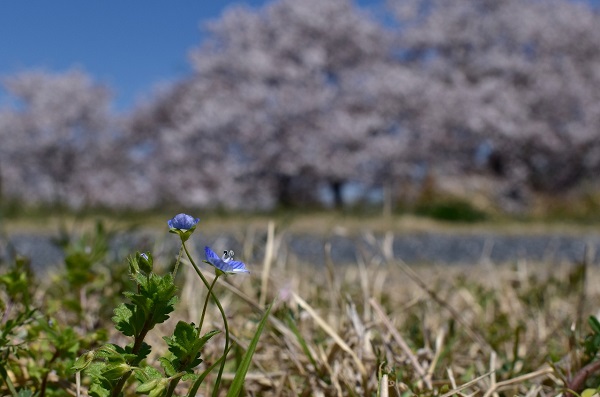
[(301, 96)]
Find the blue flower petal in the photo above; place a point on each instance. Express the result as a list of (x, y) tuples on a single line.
[(210, 254), (183, 222), (226, 266), (237, 267)]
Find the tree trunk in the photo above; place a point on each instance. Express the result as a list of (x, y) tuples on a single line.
[(336, 190), (387, 200), (284, 193)]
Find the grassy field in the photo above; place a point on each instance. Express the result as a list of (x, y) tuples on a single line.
[(375, 328)]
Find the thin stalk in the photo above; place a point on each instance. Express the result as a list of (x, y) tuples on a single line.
[(177, 262), (225, 324), (173, 383), (45, 378), (206, 303), (196, 385), (135, 350)]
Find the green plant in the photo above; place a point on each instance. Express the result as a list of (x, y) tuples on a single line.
[(150, 303)]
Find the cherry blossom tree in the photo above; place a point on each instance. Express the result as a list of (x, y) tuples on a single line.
[(518, 76), (50, 136), (291, 68), (299, 96)]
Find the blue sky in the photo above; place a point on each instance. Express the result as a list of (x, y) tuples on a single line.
[(129, 45)]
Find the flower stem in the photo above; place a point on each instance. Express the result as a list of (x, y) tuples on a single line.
[(225, 324), (196, 385), (173, 383), (206, 303)]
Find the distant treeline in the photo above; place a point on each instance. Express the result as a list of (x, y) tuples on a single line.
[(304, 97)]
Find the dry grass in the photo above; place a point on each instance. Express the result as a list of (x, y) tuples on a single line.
[(382, 328)]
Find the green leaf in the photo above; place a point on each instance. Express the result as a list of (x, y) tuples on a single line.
[(111, 352), (185, 344), (79, 265), (83, 362), (123, 318), (595, 324), (159, 389), (152, 303), (134, 266), (115, 371), (292, 325), (589, 393), (168, 366), (147, 387), (189, 377), (97, 390), (240, 375), (142, 354), (147, 373)]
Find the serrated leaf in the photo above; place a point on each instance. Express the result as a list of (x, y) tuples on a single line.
[(168, 365), (152, 303), (95, 369), (147, 373), (97, 390), (186, 345), (144, 351), (123, 319)]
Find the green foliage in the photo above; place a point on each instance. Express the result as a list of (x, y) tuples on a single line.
[(238, 380), (592, 340), (451, 210), (38, 341), (33, 344), (17, 283), (153, 301), (150, 302), (185, 346)]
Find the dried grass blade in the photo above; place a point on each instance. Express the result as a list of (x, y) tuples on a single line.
[(269, 251), (468, 384), (439, 342), (323, 324), (400, 340), (383, 386), (508, 382)]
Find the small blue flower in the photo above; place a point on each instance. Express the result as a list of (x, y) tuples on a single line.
[(183, 222), (183, 225), (226, 264)]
